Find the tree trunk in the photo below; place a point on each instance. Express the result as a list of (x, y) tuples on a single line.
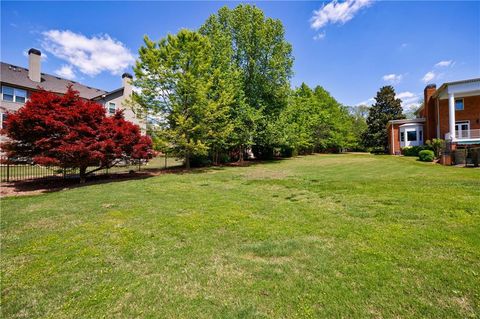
[(187, 161), (83, 175), (240, 159)]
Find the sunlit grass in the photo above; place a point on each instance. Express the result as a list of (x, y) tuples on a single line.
[(317, 236)]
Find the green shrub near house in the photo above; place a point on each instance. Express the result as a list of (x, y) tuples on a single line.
[(426, 156), (411, 150)]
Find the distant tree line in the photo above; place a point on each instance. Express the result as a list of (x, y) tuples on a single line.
[(224, 89)]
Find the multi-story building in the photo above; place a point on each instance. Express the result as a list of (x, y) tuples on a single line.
[(17, 83), (451, 112)]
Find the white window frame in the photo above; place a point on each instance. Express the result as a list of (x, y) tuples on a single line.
[(458, 124), (15, 90)]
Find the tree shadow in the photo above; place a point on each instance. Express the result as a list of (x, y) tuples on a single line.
[(55, 184)]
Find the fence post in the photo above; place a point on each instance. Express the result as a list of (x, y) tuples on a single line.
[(166, 160), (8, 171)]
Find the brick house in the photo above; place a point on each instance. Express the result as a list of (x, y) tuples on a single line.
[(451, 112), (17, 83)]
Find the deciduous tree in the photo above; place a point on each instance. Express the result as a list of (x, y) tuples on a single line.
[(69, 132)]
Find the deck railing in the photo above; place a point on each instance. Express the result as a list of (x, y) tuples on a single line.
[(464, 135)]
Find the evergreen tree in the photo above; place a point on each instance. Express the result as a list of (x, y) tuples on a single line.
[(386, 108)]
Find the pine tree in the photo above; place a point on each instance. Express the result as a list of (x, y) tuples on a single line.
[(386, 108)]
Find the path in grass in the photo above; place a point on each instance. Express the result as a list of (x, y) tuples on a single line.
[(318, 236)]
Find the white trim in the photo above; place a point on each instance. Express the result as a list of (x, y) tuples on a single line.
[(451, 115), (437, 104)]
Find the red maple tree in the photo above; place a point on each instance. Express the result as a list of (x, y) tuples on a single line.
[(70, 132)]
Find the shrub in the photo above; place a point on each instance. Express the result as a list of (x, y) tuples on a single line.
[(426, 156), (437, 145), (411, 150)]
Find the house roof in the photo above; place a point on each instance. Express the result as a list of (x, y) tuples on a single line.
[(18, 76), (405, 121), (446, 84)]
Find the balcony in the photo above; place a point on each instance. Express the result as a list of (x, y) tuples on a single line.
[(464, 136)]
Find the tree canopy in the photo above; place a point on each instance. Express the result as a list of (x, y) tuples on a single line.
[(387, 107), (226, 88), (69, 132)]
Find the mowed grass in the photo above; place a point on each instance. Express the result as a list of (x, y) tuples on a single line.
[(352, 236)]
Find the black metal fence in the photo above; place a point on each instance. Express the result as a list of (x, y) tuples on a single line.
[(12, 170), (468, 156)]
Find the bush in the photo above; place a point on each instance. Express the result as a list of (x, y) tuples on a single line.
[(414, 150), (437, 145), (426, 156)]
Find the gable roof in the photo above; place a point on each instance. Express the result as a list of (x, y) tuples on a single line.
[(446, 84), (18, 76)]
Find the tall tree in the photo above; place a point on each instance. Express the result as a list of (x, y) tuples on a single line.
[(387, 107), (314, 122), (260, 54), (175, 81), (359, 114), (69, 132)]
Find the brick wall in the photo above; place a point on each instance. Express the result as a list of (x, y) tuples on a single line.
[(396, 137), (470, 112)]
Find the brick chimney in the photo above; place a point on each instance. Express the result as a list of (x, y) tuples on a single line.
[(34, 65), (427, 94), (429, 111), (127, 84)]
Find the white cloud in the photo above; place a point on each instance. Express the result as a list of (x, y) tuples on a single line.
[(393, 78), (409, 100), (337, 12), (445, 63), (429, 76), (367, 102), (320, 36), (66, 71), (90, 55)]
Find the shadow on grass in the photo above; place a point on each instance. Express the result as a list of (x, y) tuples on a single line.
[(42, 186)]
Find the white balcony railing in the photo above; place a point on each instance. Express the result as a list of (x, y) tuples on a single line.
[(464, 135)]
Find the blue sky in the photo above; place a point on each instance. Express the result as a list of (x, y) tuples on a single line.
[(350, 47)]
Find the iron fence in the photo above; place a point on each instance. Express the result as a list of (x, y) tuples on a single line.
[(14, 170)]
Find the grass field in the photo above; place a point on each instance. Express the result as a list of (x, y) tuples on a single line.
[(352, 236)]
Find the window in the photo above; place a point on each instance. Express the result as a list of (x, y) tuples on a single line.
[(7, 93), (13, 94), (411, 136), (459, 105), (20, 96), (111, 108), (402, 137), (3, 118), (420, 134)]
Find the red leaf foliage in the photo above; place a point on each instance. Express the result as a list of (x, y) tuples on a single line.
[(70, 132)]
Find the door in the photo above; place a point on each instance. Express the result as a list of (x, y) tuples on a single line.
[(462, 129)]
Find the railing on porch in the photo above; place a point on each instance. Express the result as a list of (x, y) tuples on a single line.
[(464, 135)]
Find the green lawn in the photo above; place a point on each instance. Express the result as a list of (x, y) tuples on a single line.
[(352, 236)]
